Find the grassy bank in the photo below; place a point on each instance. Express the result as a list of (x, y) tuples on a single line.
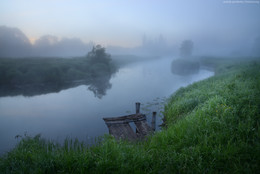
[(212, 127)]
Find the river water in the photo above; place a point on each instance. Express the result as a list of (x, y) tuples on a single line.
[(77, 112)]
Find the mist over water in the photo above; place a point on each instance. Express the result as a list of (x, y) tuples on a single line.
[(76, 112)]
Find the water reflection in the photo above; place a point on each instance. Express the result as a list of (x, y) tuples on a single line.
[(184, 67), (98, 85)]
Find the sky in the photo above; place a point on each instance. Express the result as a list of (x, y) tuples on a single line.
[(124, 22)]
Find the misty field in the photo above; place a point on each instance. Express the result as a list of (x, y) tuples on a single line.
[(212, 126)]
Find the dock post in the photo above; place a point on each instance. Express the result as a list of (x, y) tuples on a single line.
[(137, 107), (154, 121)]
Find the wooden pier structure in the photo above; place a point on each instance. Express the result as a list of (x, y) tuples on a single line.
[(120, 128)]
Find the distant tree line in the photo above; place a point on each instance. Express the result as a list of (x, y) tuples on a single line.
[(14, 43), (256, 47), (186, 48)]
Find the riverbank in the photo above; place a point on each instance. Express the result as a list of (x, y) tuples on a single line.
[(35, 76), (212, 127)]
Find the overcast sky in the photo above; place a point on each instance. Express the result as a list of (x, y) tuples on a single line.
[(123, 22)]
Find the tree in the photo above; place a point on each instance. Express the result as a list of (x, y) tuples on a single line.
[(13, 43), (186, 48), (101, 70), (98, 55)]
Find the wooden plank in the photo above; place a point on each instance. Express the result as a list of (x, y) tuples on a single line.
[(125, 119), (119, 126), (142, 129), (122, 131)]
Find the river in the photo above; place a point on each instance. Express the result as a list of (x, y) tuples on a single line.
[(77, 112)]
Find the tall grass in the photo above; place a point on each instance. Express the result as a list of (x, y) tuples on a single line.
[(212, 127)]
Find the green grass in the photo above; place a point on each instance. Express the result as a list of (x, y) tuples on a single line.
[(212, 127)]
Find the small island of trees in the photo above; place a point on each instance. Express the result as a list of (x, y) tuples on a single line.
[(31, 76)]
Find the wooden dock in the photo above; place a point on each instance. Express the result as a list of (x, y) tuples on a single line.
[(120, 128)]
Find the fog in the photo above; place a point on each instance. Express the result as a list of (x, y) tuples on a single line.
[(70, 29), (65, 65), (14, 43)]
